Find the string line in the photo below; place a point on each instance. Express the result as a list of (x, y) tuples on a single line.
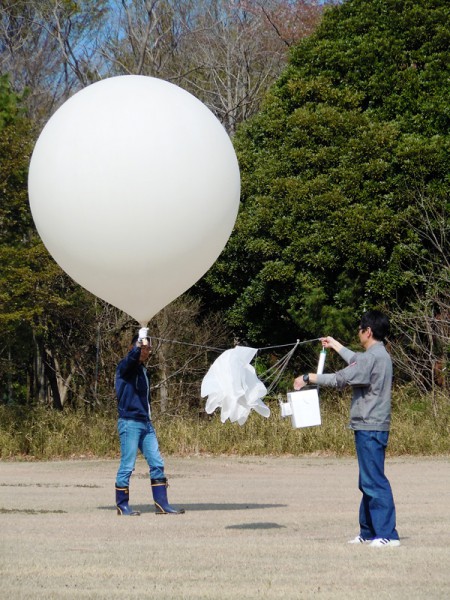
[(293, 344), (275, 371)]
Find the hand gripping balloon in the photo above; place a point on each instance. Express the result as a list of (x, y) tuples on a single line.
[(131, 154)]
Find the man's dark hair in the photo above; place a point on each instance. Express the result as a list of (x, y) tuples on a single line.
[(378, 323)]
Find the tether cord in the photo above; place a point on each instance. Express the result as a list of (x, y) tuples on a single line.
[(295, 344), (275, 371)]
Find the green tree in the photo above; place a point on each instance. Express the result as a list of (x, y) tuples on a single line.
[(39, 305), (330, 168), (422, 325)]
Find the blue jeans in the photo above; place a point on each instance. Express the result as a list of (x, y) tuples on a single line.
[(136, 435), (377, 509)]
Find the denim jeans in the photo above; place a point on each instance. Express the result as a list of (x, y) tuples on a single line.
[(136, 435), (377, 509)]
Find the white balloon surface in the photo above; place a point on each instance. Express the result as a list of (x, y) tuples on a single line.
[(134, 189)]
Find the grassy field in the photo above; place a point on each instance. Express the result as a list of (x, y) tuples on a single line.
[(273, 528), (420, 427)]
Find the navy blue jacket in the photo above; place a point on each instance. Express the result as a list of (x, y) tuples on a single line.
[(133, 388)]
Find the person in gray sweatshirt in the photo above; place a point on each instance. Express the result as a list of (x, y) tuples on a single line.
[(369, 373)]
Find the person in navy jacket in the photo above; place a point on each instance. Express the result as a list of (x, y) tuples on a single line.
[(136, 431)]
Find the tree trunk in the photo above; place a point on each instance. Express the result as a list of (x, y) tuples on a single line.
[(50, 373)]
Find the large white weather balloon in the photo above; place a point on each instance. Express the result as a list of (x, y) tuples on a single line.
[(134, 189)]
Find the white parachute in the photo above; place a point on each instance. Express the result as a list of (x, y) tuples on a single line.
[(232, 385)]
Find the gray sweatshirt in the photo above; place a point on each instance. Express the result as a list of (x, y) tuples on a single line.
[(370, 375)]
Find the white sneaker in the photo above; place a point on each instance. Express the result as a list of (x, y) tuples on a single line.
[(381, 542), (359, 540)]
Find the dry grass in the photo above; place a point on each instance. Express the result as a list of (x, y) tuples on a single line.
[(419, 428)]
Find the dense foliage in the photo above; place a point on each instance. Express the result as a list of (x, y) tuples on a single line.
[(351, 147), (43, 313), (345, 194)]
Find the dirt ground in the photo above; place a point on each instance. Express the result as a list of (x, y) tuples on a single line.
[(254, 528)]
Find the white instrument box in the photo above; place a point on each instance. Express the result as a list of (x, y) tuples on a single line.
[(303, 408)]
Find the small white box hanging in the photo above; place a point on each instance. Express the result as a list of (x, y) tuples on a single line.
[(305, 408)]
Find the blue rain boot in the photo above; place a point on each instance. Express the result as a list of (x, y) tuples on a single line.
[(122, 497), (159, 490)]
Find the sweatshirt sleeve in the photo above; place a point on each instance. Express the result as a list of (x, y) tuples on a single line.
[(327, 379), (348, 355), (130, 361), (357, 373)]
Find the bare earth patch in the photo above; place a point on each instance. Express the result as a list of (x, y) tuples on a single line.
[(254, 528)]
